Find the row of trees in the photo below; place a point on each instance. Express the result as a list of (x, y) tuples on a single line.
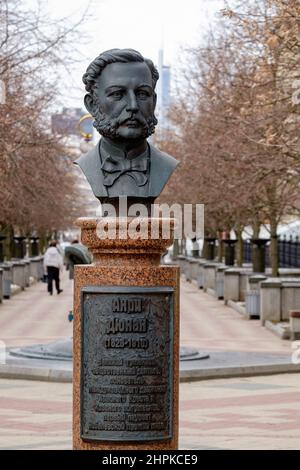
[(37, 182), (236, 120)]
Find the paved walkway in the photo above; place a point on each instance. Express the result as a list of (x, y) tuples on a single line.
[(33, 316), (207, 323), (248, 413)]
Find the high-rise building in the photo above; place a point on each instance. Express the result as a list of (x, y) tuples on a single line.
[(163, 93)]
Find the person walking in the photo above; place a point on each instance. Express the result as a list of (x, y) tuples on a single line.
[(53, 263)]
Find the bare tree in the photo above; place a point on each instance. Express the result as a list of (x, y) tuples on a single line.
[(38, 185)]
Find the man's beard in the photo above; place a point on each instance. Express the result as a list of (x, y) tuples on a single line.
[(108, 127)]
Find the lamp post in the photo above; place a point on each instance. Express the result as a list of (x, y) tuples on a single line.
[(259, 254), (2, 237), (229, 251), (209, 248), (19, 247), (34, 246)]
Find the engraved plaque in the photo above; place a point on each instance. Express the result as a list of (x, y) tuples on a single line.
[(126, 363)]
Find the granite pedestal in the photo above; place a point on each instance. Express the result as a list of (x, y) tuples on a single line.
[(126, 342)]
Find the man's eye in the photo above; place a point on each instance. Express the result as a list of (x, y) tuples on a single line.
[(142, 94), (116, 94)]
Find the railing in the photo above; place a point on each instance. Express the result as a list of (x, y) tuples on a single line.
[(288, 252), (247, 251)]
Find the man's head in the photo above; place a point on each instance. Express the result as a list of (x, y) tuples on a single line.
[(121, 94)]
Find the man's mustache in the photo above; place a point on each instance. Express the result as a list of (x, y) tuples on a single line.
[(133, 118)]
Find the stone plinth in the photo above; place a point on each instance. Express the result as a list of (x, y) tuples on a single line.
[(270, 300), (236, 283), (200, 272), (18, 274), (231, 285), (294, 324), (26, 264), (278, 297), (209, 276), (243, 282), (35, 268), (7, 279), (191, 269), (290, 297), (125, 386)]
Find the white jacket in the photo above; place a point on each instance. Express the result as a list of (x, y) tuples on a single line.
[(52, 257)]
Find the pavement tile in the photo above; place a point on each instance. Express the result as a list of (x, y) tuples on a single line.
[(211, 416), (245, 413)]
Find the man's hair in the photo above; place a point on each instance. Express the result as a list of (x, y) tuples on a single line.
[(96, 67)]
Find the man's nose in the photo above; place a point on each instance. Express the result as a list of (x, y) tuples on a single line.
[(132, 105)]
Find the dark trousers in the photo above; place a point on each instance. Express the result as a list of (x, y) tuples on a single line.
[(53, 275)]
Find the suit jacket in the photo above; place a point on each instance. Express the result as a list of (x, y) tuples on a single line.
[(162, 166)]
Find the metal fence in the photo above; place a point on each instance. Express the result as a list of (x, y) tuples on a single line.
[(288, 250)]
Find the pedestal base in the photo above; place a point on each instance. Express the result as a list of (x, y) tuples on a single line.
[(126, 354)]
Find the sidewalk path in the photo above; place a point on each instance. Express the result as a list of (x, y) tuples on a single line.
[(33, 316), (245, 413), (206, 323), (248, 413)]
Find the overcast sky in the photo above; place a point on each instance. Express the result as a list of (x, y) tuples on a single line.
[(138, 24)]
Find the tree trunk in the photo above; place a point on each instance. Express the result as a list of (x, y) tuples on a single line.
[(256, 229), (274, 255), (44, 241), (220, 248), (239, 247), (10, 242)]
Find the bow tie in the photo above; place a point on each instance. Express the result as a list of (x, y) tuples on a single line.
[(113, 169)]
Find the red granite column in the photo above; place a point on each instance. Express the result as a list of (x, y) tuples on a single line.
[(125, 392)]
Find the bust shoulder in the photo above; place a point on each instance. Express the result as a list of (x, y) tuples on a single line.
[(162, 166), (164, 158), (90, 165)]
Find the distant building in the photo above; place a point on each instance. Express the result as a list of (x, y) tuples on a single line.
[(163, 94), (66, 122)]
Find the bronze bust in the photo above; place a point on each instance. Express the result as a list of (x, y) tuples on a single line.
[(121, 98)]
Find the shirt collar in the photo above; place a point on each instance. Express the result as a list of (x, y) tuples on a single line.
[(108, 149)]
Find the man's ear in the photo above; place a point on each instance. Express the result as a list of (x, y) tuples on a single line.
[(89, 103)]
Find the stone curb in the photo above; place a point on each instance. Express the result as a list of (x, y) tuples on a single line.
[(16, 289), (228, 372), (211, 292), (65, 376), (238, 307), (279, 329), (35, 373)]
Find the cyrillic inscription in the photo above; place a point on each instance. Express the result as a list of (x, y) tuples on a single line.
[(126, 375)]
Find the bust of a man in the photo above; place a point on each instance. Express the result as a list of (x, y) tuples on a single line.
[(121, 98)]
